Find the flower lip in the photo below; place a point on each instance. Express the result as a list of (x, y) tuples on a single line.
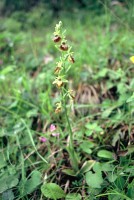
[(64, 46), (56, 38)]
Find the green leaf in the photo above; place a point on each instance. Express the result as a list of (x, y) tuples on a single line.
[(74, 159), (107, 112), (88, 132), (33, 182), (116, 74), (87, 166), (130, 149), (73, 196), (8, 182), (69, 172), (107, 167), (85, 146), (18, 128), (130, 191), (89, 144), (93, 192), (120, 181), (105, 154), (8, 195), (52, 191), (116, 137), (130, 170), (94, 180), (102, 73), (93, 127), (2, 161), (32, 113), (97, 168), (111, 177), (2, 132), (7, 70)]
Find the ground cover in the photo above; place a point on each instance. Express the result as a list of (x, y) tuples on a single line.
[(34, 161)]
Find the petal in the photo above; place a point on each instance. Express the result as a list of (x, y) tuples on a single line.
[(42, 139), (55, 134), (52, 127), (132, 59)]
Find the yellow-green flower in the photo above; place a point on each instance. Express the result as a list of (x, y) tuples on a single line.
[(132, 59), (71, 94), (58, 82), (58, 107), (58, 67)]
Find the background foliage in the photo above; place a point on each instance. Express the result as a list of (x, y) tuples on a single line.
[(102, 119)]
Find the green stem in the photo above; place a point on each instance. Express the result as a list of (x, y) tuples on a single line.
[(69, 126), (71, 149), (64, 99)]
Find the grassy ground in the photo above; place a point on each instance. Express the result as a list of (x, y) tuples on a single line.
[(102, 117)]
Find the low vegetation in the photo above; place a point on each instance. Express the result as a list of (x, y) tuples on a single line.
[(67, 105)]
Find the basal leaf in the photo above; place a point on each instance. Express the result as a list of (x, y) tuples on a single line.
[(33, 182), (94, 180), (107, 167), (86, 147), (105, 154), (52, 191), (2, 161), (8, 195), (111, 177), (97, 168), (73, 196), (8, 182), (69, 172), (87, 166), (7, 70)]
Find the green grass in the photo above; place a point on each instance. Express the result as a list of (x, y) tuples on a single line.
[(102, 45)]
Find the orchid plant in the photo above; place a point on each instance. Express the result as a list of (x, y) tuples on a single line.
[(61, 82)]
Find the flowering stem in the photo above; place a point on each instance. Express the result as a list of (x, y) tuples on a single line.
[(71, 150), (61, 81), (67, 118)]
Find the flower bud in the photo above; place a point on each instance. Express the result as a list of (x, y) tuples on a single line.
[(71, 59), (57, 70)]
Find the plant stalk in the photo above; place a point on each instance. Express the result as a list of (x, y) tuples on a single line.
[(71, 150)]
